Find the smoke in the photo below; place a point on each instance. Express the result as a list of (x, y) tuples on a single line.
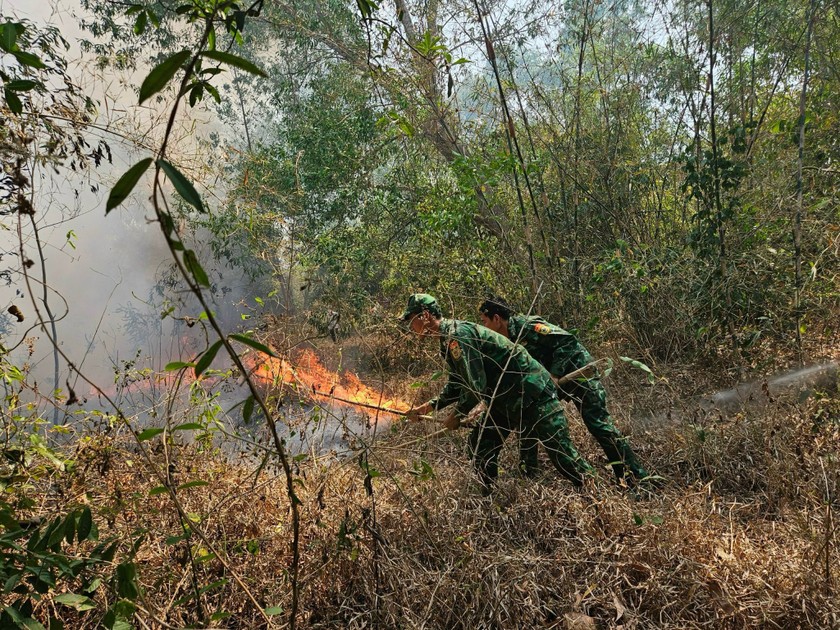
[(108, 282)]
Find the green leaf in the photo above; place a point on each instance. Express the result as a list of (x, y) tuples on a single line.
[(14, 103), (148, 434), (79, 602), (9, 33), (22, 85), (115, 618), (205, 557), (126, 586), (56, 535), (140, 23), (28, 59), (196, 93), (207, 358), (274, 610), (182, 184), (366, 7), (177, 365), (644, 368), (254, 344), (125, 609), (125, 184), (95, 584), (188, 426), (158, 490), (14, 613), (213, 92), (195, 268), (423, 470), (162, 74), (85, 526), (248, 409), (70, 528), (235, 61)]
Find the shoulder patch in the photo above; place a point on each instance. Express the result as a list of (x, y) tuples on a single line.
[(542, 329), (455, 350)]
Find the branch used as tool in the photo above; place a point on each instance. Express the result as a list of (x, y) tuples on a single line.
[(588, 370), (369, 406)]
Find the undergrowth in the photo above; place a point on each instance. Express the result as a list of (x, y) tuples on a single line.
[(396, 535)]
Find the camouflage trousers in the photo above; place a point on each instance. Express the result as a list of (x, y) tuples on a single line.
[(590, 398), (546, 424)]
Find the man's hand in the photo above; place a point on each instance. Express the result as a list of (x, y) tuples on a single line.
[(415, 412), (452, 421)]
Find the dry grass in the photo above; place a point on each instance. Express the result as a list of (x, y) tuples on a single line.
[(742, 536)]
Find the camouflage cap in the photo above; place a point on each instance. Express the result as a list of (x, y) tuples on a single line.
[(418, 303)]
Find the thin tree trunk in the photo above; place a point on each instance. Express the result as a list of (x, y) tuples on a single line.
[(800, 210), (512, 144), (718, 202), (577, 149)]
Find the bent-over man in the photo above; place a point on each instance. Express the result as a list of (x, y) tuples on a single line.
[(560, 352), (518, 392)]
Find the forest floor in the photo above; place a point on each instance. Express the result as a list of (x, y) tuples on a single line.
[(743, 534)]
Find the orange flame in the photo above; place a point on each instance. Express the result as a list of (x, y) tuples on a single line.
[(324, 385)]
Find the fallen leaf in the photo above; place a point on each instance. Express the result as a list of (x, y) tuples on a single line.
[(579, 621)]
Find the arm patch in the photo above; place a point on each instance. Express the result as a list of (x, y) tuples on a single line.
[(542, 329), (455, 350)]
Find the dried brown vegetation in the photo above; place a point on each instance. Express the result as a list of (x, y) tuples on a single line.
[(743, 535)]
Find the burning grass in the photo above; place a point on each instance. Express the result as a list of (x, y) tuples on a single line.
[(397, 536)]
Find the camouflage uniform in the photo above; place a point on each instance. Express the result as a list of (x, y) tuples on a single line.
[(560, 352), (486, 367)]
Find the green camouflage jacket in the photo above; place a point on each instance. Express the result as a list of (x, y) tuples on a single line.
[(557, 350), (481, 363)]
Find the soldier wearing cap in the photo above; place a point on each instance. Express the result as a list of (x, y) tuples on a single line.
[(560, 352), (517, 391)]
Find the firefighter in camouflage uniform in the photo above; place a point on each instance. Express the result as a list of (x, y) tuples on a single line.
[(517, 391), (560, 352)]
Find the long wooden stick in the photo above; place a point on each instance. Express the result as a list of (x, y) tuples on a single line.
[(585, 372), (396, 412)]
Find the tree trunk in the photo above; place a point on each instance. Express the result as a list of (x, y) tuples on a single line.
[(800, 210)]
